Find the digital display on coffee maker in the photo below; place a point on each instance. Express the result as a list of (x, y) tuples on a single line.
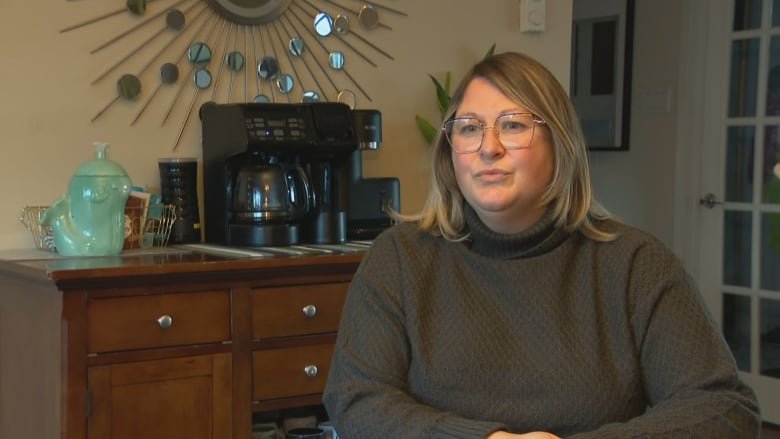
[(280, 127), (266, 129)]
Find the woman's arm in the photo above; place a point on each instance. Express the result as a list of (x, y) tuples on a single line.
[(690, 378)]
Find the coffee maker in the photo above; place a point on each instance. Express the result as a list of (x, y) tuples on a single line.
[(284, 174)]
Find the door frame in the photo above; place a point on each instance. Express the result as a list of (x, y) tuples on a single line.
[(697, 61)]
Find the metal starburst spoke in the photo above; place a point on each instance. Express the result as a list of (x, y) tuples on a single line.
[(132, 29), (96, 19), (303, 58), (174, 20)]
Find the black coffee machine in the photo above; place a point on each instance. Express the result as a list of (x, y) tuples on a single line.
[(285, 174)]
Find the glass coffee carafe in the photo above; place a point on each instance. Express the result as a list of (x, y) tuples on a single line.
[(269, 191)]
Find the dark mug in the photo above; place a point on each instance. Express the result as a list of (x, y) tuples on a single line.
[(305, 433)]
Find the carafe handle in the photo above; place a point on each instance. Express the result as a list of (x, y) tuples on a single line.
[(296, 177)]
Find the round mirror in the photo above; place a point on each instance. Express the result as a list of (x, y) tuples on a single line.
[(129, 86), (199, 53), (341, 24), (285, 83), (169, 73), (268, 67), (323, 24), (250, 11), (234, 61), (310, 96), (296, 46), (137, 7), (261, 99), (202, 78), (347, 97), (174, 19), (336, 60), (369, 17)]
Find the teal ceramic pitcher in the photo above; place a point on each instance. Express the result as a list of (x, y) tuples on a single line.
[(89, 220)]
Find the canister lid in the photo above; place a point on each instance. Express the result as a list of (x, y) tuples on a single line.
[(100, 165)]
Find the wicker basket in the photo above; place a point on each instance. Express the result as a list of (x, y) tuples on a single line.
[(156, 231), (31, 218)]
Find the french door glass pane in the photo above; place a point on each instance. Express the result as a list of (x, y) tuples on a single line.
[(775, 13), (770, 251), (770, 337), (770, 188), (736, 328), (747, 14), (737, 229), (744, 74), (739, 164), (773, 78)]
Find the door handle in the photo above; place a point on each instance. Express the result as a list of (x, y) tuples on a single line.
[(709, 201)]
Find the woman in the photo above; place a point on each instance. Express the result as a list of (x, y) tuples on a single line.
[(514, 306)]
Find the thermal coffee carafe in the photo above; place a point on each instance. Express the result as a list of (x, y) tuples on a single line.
[(283, 174)]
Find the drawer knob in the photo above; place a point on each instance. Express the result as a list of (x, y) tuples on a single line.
[(311, 370), (165, 321), (309, 311)]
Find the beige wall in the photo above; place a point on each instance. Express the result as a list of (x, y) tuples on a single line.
[(639, 184), (48, 99)]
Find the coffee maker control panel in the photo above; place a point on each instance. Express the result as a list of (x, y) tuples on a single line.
[(265, 129), (304, 127)]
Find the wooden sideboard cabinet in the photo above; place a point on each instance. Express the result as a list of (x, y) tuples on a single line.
[(175, 344)]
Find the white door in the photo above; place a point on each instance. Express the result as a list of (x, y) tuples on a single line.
[(739, 187)]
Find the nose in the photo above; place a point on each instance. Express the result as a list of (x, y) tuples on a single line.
[(491, 145)]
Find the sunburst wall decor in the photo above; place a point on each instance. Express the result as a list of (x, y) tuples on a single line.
[(238, 51)]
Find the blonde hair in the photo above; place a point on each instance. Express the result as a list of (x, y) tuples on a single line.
[(569, 195)]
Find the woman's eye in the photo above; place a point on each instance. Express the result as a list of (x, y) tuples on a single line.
[(469, 128), (514, 126)]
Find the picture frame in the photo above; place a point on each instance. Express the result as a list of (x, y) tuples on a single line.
[(602, 62)]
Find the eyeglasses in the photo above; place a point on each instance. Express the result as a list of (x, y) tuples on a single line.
[(514, 130)]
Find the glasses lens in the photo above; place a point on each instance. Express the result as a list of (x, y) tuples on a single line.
[(515, 130), (465, 134)]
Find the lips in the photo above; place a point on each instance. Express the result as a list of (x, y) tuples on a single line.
[(491, 175)]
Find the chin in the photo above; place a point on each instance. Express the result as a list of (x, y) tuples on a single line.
[(492, 205)]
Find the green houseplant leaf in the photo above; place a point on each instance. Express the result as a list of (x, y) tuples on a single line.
[(442, 93), (490, 51), (427, 129), (443, 99)]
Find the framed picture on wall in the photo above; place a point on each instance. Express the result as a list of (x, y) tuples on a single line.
[(602, 45)]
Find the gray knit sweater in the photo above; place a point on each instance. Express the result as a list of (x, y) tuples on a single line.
[(541, 330)]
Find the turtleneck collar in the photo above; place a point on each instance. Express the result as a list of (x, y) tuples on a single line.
[(540, 238)]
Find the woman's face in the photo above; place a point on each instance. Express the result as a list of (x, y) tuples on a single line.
[(504, 186)]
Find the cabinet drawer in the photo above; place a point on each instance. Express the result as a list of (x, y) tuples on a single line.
[(288, 372), (138, 322), (297, 310)]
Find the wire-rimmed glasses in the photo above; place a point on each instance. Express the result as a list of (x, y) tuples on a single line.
[(514, 130)]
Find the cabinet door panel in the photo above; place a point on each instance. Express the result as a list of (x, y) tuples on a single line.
[(169, 369), (188, 398)]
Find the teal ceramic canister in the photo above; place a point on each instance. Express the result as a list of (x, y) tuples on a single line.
[(89, 220)]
